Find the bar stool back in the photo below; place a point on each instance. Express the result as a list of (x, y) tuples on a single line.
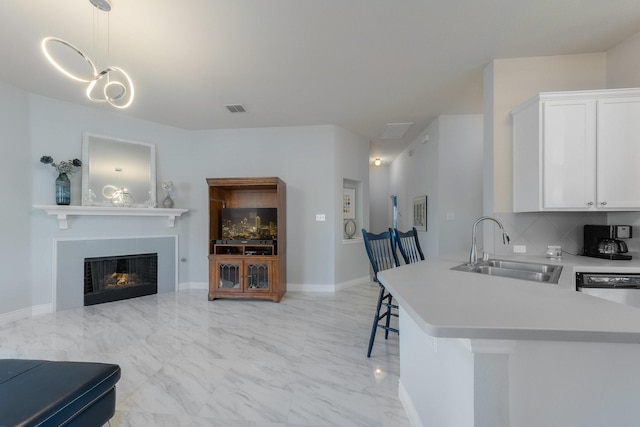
[(409, 245)]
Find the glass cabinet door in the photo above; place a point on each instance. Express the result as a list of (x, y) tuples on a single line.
[(258, 276), (229, 275)]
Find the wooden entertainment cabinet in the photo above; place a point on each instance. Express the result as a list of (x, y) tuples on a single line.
[(251, 268)]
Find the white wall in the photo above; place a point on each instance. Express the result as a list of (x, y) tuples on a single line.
[(304, 157), (488, 102), (421, 165), (15, 175), (380, 212), (623, 64), (460, 193), (448, 170), (351, 163), (414, 173)]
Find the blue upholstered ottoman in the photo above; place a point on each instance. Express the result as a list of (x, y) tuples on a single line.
[(45, 393)]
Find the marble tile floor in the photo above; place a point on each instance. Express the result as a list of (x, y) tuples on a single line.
[(187, 361)]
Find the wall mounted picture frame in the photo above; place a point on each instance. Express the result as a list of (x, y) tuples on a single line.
[(420, 213), (349, 203)]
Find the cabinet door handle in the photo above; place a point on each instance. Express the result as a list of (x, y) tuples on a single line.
[(589, 203), (603, 203)]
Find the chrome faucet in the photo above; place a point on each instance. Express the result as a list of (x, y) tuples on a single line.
[(473, 256)]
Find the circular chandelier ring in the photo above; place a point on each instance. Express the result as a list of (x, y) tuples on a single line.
[(126, 93), (123, 91), (93, 84), (45, 50), (130, 92)]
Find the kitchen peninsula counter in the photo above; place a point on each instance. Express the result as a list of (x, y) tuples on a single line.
[(458, 304), (478, 350)]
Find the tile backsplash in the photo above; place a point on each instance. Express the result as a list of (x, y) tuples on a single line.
[(537, 230)]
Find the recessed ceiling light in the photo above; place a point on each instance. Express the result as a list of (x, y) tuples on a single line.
[(395, 130)]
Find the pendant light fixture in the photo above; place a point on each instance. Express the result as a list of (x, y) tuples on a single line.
[(112, 85)]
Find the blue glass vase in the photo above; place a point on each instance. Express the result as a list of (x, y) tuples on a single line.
[(63, 190)]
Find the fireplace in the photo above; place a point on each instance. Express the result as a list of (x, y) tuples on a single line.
[(113, 278)]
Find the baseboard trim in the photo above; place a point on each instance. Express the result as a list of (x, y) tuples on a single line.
[(408, 406), (351, 283), (25, 313), (193, 285), (294, 287)]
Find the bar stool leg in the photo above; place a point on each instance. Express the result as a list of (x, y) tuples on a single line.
[(376, 319), (388, 315)]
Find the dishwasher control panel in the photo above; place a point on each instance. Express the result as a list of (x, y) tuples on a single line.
[(608, 280)]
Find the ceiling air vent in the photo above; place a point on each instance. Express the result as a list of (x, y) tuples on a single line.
[(236, 108)]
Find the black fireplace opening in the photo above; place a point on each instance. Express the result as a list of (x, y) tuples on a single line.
[(114, 278)]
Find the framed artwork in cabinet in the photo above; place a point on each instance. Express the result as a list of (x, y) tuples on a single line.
[(420, 213), (349, 203)]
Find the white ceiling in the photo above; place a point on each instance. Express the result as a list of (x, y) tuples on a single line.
[(355, 63)]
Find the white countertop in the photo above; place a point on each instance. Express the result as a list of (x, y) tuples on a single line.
[(458, 304)]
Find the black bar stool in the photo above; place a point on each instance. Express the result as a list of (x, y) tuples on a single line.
[(382, 255)]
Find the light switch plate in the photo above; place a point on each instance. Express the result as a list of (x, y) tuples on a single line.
[(519, 249), (320, 217)]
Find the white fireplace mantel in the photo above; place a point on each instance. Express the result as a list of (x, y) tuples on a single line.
[(62, 212)]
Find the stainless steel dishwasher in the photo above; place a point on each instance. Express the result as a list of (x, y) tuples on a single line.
[(623, 288)]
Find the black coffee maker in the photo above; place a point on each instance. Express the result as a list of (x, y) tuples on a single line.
[(603, 241)]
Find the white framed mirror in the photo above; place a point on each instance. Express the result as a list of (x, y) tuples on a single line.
[(117, 172)]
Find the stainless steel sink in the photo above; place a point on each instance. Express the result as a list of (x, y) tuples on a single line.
[(514, 265), (544, 273)]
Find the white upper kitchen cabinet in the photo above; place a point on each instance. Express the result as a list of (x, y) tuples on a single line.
[(577, 151), (618, 153)]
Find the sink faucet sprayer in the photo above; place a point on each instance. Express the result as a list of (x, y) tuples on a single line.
[(473, 256)]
